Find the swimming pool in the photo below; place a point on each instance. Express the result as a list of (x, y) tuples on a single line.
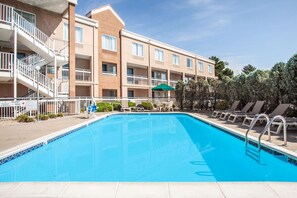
[(146, 147)]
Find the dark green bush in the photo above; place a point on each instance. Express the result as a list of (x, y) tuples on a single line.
[(131, 104), (147, 105), (104, 107), (60, 115), (42, 117), (24, 118), (116, 105), (51, 115), (222, 105)]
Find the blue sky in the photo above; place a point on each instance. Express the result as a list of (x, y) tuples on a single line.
[(257, 32)]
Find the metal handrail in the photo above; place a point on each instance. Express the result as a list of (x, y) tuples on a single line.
[(267, 127), (253, 124)]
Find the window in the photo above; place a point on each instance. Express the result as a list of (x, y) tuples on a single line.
[(130, 72), (189, 63), (28, 16), (130, 94), (175, 59), (51, 70), (210, 69), (78, 35), (137, 49), (109, 69), (159, 55), (201, 66), (112, 93), (65, 72), (109, 43), (65, 32), (159, 75)]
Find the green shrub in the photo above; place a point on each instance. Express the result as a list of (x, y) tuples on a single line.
[(60, 115), (24, 118), (116, 105), (104, 107), (147, 105), (222, 105), (131, 104), (51, 115), (42, 117), (82, 110)]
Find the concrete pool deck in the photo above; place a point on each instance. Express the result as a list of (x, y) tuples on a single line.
[(149, 190), (13, 134)]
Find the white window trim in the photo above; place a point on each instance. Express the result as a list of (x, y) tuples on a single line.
[(210, 66), (191, 61), (82, 35), (116, 45), (199, 64), (138, 44), (64, 31), (178, 60), (28, 13), (159, 50)]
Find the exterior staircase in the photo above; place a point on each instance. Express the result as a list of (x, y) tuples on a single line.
[(47, 51)]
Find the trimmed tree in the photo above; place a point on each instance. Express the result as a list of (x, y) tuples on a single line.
[(180, 93)]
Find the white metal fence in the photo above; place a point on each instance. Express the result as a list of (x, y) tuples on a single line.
[(11, 108)]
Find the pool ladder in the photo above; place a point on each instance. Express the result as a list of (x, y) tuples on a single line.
[(269, 122)]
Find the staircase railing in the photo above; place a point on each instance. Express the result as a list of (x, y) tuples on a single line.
[(32, 31), (32, 59), (9, 16), (32, 74)]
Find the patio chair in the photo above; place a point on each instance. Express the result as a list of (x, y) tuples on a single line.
[(291, 121), (256, 109), (245, 109), (158, 104), (125, 107), (279, 110), (169, 106), (233, 108)]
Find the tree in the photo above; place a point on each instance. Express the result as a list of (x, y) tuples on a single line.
[(202, 92), (248, 69), (180, 93), (277, 84), (191, 93), (291, 79), (214, 89), (227, 72), (219, 66)]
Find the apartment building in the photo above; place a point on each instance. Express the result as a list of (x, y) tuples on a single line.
[(147, 63), (45, 45)]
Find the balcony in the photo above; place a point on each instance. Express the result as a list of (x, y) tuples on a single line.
[(173, 83), (83, 75), (112, 73), (157, 81), (137, 80)]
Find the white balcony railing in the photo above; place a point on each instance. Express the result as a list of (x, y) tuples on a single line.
[(83, 75), (6, 13), (63, 87), (157, 81), (32, 59), (6, 60), (137, 80), (113, 73), (173, 83)]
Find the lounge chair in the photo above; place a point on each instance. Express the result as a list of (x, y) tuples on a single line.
[(256, 109), (279, 110), (291, 121), (125, 107), (245, 109), (233, 108)]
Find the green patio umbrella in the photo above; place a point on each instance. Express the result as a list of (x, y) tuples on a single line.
[(163, 87)]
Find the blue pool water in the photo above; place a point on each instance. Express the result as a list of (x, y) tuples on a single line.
[(170, 147)]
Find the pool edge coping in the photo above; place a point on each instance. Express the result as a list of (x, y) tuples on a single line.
[(38, 142)]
